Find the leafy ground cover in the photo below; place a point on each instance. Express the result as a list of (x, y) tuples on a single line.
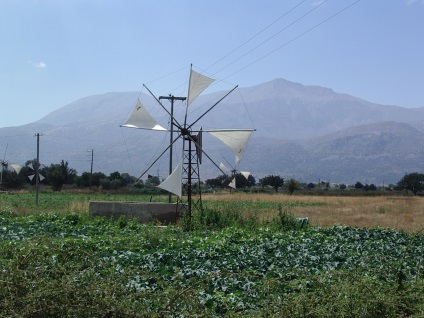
[(62, 201), (24, 202), (71, 265)]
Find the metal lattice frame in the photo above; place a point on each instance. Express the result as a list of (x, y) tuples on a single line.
[(190, 177)]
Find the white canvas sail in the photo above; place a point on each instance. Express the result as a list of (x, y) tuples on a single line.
[(141, 119), (245, 174), (236, 139), (32, 176), (16, 167), (197, 84), (173, 183), (232, 184)]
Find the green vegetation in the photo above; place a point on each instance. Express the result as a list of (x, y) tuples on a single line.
[(292, 185), (273, 181), (412, 181), (61, 175), (66, 264)]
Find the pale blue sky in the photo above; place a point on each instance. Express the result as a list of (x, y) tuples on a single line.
[(54, 52)]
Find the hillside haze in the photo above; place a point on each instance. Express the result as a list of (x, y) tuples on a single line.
[(309, 133)]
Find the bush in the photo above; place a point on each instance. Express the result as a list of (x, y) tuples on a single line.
[(287, 221)]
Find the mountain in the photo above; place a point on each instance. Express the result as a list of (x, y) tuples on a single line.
[(298, 111), (309, 133), (372, 153)]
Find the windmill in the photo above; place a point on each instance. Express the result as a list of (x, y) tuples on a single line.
[(233, 172), (7, 166), (33, 172), (185, 177)]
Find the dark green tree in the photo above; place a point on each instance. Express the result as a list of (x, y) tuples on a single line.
[(218, 182), (83, 180), (359, 185), (273, 181), (115, 176), (242, 182), (370, 187), (412, 181), (292, 185), (59, 174), (96, 177), (152, 180), (251, 181), (127, 179), (105, 183), (116, 180)]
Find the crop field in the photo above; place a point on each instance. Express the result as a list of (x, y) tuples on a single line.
[(244, 256)]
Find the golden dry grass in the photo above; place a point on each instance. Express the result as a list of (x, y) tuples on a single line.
[(397, 212)]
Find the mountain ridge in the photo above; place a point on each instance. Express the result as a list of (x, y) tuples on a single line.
[(304, 132)]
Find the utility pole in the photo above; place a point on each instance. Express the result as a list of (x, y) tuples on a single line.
[(172, 98), (37, 169), (91, 170)]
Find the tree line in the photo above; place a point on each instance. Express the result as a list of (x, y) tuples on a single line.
[(57, 175)]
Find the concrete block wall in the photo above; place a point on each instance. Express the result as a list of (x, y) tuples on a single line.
[(144, 212)]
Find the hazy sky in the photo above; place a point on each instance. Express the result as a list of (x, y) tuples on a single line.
[(53, 52)]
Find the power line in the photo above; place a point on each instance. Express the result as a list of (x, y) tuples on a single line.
[(294, 39), (261, 31), (271, 37), (244, 43), (286, 43), (274, 35)]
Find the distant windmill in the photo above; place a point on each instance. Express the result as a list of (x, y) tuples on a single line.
[(185, 177), (33, 174), (7, 166), (233, 172)]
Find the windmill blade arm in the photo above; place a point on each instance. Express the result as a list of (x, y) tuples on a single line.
[(163, 152), (156, 128), (176, 123), (229, 130), (201, 149), (224, 168), (213, 106), (229, 164), (4, 157)]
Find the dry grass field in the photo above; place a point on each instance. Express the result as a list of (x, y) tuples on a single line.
[(404, 213)]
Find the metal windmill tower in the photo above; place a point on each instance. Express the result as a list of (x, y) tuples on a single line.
[(184, 179)]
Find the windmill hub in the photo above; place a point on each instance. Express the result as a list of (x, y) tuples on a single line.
[(185, 132)]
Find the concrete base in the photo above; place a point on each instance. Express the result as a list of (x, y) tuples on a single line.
[(144, 212)]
